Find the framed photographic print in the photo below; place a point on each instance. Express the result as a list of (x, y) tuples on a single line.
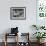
[(17, 13)]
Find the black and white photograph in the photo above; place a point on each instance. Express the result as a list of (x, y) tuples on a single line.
[(17, 13)]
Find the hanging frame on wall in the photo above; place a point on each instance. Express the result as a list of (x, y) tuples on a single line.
[(18, 13)]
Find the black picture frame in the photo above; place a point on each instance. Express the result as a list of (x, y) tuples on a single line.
[(18, 13)]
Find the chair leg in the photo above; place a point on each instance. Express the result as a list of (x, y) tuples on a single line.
[(5, 43), (5, 39)]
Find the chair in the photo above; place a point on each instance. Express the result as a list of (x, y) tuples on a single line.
[(14, 32), (26, 41), (7, 35)]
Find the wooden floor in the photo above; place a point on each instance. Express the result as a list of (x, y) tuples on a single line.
[(13, 44)]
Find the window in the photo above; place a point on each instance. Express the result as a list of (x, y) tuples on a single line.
[(41, 8)]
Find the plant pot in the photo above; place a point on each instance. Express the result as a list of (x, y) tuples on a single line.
[(40, 40)]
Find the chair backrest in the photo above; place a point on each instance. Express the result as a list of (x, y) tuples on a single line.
[(14, 30), (24, 37)]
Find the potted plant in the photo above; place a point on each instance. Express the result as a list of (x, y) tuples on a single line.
[(39, 35)]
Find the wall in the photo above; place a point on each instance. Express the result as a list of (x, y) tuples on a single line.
[(24, 25)]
